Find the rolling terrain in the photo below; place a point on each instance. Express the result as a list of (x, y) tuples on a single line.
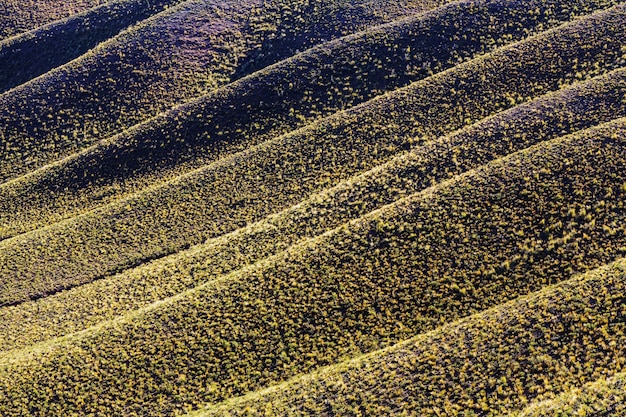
[(287, 207)]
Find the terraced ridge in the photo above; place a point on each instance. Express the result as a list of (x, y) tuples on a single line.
[(357, 68), (173, 57), (17, 16), (399, 271), (297, 217), (34, 53), (495, 360), (577, 107), (187, 210)]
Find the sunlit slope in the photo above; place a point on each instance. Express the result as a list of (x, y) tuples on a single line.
[(25, 57), (397, 272), (577, 107), (328, 78), (605, 397), (177, 55), (18, 16), (187, 210), (487, 364), (306, 207)]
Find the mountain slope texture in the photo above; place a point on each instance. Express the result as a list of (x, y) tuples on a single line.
[(313, 208)]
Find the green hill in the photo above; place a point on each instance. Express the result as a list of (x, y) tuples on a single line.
[(325, 208)]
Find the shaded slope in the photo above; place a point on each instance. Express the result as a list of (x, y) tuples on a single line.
[(494, 362), (306, 23), (37, 52), (181, 214), (574, 108), (17, 16), (397, 272), (332, 77), (179, 54)]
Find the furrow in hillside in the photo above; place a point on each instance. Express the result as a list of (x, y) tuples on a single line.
[(184, 212), (17, 16), (364, 63), (36, 52), (578, 107), (552, 210), (175, 56), (602, 398), (322, 80), (490, 363)]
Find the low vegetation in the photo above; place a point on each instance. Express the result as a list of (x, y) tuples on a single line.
[(497, 361), (212, 202), (25, 57), (18, 16), (178, 55), (397, 272), (578, 107), (104, 173), (601, 398), (305, 207)]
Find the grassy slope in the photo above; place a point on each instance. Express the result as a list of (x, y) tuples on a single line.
[(602, 398), (490, 363), (402, 270), (36, 52), (17, 16), (115, 237), (362, 67), (177, 55), (578, 107)]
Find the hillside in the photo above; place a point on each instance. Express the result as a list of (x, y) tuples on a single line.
[(256, 325), (170, 58), (291, 207), (495, 356), (168, 146), (22, 16), (37, 52)]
